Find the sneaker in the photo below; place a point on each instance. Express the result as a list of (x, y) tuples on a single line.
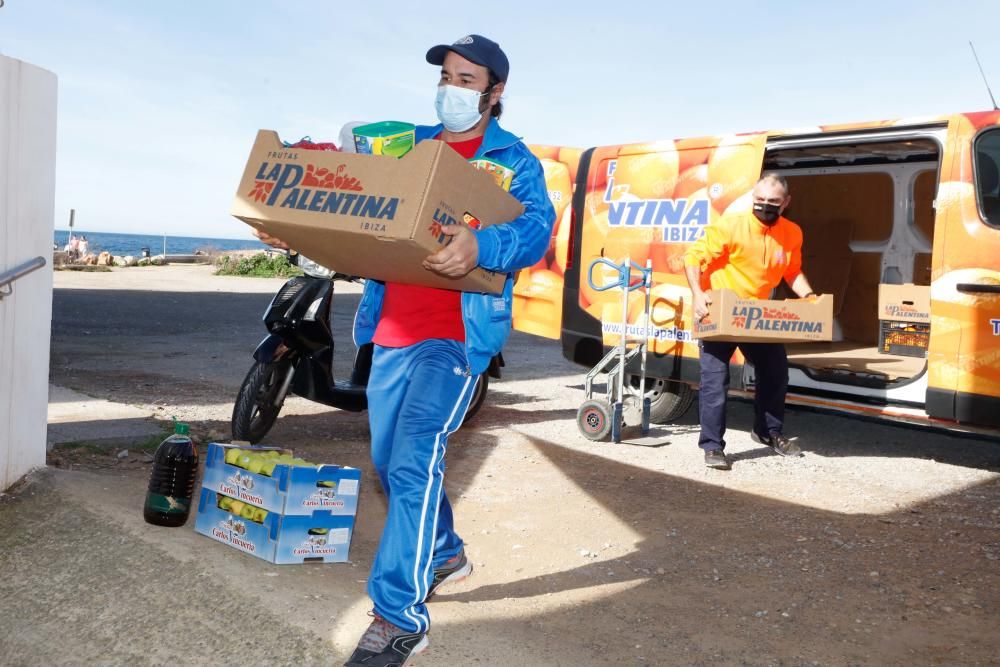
[(453, 571), (716, 458), (778, 443), (386, 645)]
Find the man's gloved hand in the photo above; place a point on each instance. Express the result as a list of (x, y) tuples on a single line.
[(458, 257)]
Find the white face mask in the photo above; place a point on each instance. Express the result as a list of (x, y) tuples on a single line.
[(457, 108)]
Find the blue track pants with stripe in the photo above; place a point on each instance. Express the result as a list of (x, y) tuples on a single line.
[(417, 396)]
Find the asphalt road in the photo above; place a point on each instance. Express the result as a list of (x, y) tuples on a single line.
[(212, 335)]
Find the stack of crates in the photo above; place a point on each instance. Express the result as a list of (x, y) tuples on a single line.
[(904, 319), (295, 514)]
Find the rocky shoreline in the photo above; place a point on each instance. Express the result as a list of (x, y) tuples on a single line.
[(63, 260)]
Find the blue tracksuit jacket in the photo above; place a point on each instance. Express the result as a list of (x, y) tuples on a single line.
[(503, 248)]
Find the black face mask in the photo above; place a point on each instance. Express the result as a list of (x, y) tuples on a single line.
[(767, 213)]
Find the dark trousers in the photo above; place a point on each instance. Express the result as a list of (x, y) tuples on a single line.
[(771, 371)]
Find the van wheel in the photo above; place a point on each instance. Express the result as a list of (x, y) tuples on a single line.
[(668, 400)]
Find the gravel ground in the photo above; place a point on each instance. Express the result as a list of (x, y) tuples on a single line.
[(879, 546)]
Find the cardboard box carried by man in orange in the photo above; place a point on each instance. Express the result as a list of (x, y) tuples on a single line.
[(406, 224)]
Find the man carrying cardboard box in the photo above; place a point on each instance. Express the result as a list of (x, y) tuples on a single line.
[(749, 254), (431, 345)]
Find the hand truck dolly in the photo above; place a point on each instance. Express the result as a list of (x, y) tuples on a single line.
[(599, 417)]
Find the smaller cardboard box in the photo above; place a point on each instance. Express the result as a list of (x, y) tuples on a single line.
[(372, 216), (290, 490), (731, 318), (321, 537), (904, 303), (904, 313)]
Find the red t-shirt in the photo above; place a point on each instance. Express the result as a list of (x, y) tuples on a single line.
[(410, 313)]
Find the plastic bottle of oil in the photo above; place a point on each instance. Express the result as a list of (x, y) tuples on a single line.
[(171, 482)]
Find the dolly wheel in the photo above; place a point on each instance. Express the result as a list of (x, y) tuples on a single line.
[(594, 419)]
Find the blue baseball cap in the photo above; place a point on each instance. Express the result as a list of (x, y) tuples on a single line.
[(477, 49)]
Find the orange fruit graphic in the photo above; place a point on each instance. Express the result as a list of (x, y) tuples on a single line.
[(741, 205), (571, 158), (669, 308), (593, 202), (732, 171), (523, 280), (961, 132), (594, 310), (594, 233), (558, 184), (545, 285), (693, 152), (597, 176), (691, 180), (669, 305), (971, 242), (538, 303), (648, 175), (611, 313), (632, 242), (562, 241), (668, 258), (545, 152)]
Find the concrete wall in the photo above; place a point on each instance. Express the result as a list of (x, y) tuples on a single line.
[(27, 202)]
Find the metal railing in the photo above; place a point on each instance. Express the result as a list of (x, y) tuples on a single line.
[(8, 277)]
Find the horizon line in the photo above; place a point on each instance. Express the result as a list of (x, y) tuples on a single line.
[(185, 236)]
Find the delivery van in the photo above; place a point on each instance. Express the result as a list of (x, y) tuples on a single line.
[(907, 208)]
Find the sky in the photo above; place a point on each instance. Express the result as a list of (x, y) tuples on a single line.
[(159, 102)]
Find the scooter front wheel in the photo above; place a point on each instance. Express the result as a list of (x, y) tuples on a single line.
[(478, 396), (257, 404)]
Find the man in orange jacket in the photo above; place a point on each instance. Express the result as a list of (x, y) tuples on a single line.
[(749, 254)]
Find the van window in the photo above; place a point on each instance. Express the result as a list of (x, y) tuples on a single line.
[(988, 175)]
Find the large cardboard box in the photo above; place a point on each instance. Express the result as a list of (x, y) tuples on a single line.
[(369, 215), (904, 303), (731, 318)]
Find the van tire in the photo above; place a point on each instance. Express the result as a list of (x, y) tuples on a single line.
[(669, 400)]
